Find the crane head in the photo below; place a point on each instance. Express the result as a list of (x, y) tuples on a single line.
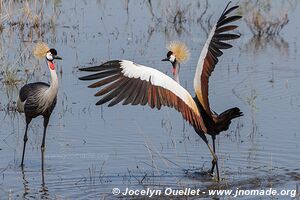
[(178, 53), (52, 54)]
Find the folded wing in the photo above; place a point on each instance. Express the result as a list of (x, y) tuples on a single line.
[(131, 83), (210, 53)]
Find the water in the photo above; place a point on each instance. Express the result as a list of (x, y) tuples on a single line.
[(90, 150)]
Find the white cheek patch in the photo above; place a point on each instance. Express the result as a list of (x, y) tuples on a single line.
[(172, 58), (49, 56)]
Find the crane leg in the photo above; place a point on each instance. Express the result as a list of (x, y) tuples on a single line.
[(28, 120), (46, 121), (215, 161), (212, 151), (42, 169), (215, 158)]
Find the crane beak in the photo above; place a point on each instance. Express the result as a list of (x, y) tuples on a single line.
[(165, 59), (57, 57)]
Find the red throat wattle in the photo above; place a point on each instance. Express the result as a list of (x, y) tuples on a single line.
[(174, 70), (51, 65)]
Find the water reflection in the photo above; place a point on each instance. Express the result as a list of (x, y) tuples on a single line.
[(43, 191), (25, 184), (257, 43)]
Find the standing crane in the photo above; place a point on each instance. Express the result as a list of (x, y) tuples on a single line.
[(123, 80), (39, 98)]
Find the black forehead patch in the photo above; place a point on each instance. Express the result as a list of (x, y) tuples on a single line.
[(53, 52), (169, 54)]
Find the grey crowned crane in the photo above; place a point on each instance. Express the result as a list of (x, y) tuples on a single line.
[(123, 80), (39, 98)]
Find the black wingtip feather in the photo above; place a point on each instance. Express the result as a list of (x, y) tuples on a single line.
[(225, 12), (227, 36), (83, 78), (227, 20), (222, 45), (112, 64), (100, 75), (89, 69), (226, 28), (230, 10), (226, 8)]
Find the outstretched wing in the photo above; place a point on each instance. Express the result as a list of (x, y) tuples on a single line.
[(210, 53), (123, 80)]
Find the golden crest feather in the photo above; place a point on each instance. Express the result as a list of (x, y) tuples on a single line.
[(40, 50), (180, 50)]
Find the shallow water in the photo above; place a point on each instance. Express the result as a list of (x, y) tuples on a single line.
[(90, 150)]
